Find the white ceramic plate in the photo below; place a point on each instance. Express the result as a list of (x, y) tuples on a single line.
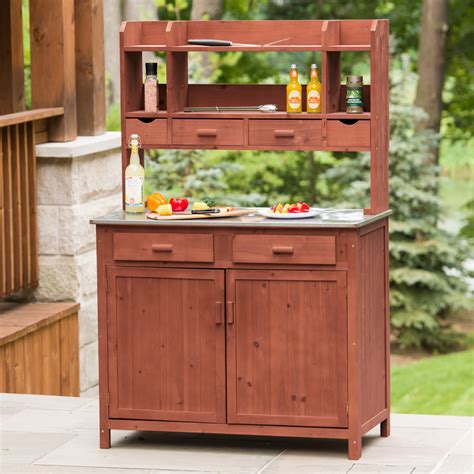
[(296, 215)]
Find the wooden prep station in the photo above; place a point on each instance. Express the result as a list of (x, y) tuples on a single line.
[(247, 325)]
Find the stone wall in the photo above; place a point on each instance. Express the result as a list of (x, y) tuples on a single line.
[(77, 181)]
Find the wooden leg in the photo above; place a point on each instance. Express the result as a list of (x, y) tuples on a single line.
[(354, 448), (104, 438), (385, 428)]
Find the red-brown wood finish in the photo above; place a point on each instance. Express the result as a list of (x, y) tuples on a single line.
[(166, 344), (292, 325), (310, 335), (286, 348)]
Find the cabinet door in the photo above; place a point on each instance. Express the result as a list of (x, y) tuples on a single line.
[(166, 344), (287, 348)]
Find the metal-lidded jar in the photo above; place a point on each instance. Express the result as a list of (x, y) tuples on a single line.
[(354, 101)]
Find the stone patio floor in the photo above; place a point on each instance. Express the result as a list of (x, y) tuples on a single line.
[(42, 434)]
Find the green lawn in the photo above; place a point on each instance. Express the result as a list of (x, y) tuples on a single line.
[(440, 385)]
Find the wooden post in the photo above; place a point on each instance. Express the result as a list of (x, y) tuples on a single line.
[(53, 64), (90, 78), (11, 58)]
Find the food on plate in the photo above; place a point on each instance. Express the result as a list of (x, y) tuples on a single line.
[(179, 204), (200, 206), (290, 208), (164, 210), (154, 200)]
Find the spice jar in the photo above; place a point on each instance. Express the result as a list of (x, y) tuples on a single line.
[(354, 87), (151, 87)]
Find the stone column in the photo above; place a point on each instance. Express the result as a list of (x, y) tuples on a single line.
[(76, 181)]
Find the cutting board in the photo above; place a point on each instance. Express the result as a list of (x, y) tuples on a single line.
[(187, 215)]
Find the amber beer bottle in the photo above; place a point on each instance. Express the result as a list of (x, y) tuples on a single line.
[(313, 92), (293, 91)]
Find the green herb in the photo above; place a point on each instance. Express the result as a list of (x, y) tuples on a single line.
[(209, 201)]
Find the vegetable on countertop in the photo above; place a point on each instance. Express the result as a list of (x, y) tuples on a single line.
[(209, 201), (179, 204), (164, 210), (154, 200)]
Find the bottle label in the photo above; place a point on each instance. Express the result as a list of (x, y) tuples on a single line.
[(354, 97), (134, 191), (314, 99), (294, 100)]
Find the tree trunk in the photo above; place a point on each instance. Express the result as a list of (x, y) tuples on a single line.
[(431, 64), (112, 18), (140, 10), (207, 9)]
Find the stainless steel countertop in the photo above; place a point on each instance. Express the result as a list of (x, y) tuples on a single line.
[(329, 218)]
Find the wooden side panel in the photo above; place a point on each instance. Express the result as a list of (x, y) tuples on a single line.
[(287, 348), (380, 126), (3, 289), (372, 312), (53, 65), (12, 98), (166, 344), (44, 361)]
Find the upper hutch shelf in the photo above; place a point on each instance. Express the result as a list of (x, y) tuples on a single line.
[(333, 129)]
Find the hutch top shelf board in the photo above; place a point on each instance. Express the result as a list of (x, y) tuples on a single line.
[(332, 129)]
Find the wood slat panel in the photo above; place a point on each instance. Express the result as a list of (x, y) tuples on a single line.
[(18, 239)]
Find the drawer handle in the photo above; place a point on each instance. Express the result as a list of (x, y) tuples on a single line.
[(219, 312), (162, 247), (230, 312), (284, 133), (207, 132), (280, 250)]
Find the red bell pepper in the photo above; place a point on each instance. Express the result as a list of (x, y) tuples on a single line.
[(179, 204)]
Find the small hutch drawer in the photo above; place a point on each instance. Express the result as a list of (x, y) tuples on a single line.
[(163, 247), (208, 132), (284, 249), (151, 133), (348, 133), (285, 132)]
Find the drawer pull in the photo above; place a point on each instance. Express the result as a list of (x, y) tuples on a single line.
[(219, 312), (281, 250), (207, 132), (162, 247), (230, 312), (284, 133)]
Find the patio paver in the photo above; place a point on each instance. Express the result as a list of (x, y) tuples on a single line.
[(41, 434)]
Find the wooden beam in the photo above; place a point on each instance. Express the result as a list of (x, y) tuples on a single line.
[(12, 98), (30, 115), (90, 76), (53, 64)]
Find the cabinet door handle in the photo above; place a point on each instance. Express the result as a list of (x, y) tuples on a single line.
[(284, 133), (230, 312), (282, 250), (162, 247), (207, 132), (219, 312)]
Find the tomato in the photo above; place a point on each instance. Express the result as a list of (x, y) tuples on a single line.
[(179, 204), (302, 206), (154, 200), (293, 208)]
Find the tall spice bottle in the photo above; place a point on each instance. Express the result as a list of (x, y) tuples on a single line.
[(134, 179), (151, 87)]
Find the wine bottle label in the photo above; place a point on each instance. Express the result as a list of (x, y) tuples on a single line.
[(314, 99), (134, 191), (294, 99)]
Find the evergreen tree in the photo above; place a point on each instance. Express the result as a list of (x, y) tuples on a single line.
[(427, 276)]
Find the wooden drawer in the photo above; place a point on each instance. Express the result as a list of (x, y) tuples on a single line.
[(289, 249), (208, 132), (285, 132), (340, 134), (152, 133), (163, 247)]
